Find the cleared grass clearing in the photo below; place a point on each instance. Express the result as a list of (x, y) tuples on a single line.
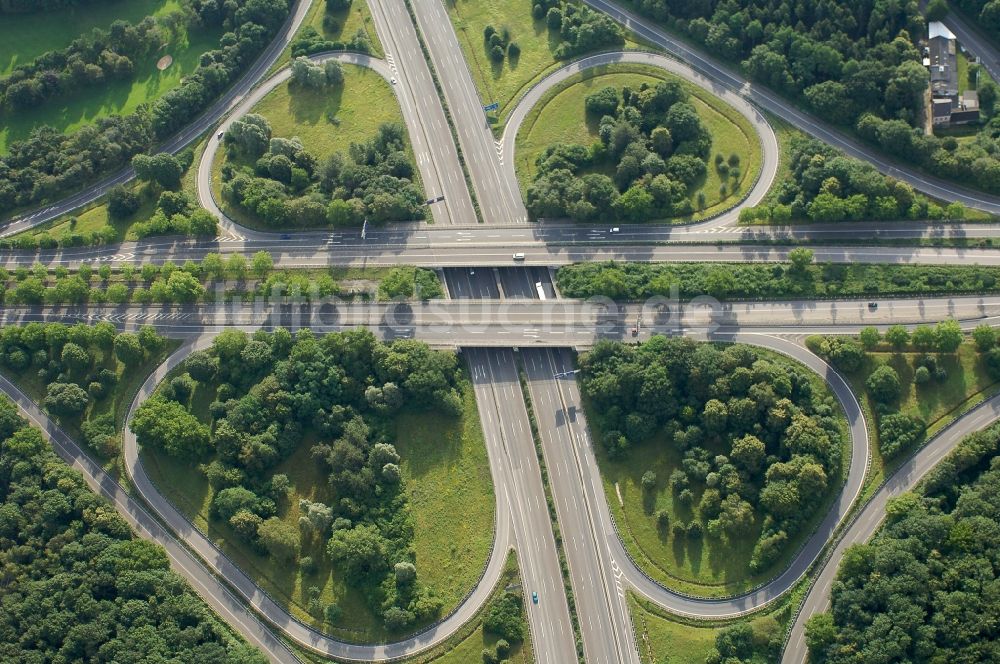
[(445, 472), (23, 37), (560, 117), (505, 82), (936, 403), (327, 121), (70, 112), (704, 567), (663, 641)]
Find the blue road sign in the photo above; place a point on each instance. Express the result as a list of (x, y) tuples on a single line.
[(492, 107)]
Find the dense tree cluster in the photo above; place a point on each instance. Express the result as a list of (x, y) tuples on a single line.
[(579, 28), (308, 41), (653, 141), (760, 447), (49, 162), (92, 60), (924, 589), (505, 617), (855, 64), (498, 44), (844, 59), (310, 74), (287, 186), (898, 431), (747, 641), (177, 214), (409, 282), (77, 585), (272, 391), (78, 366), (637, 281), (825, 185)]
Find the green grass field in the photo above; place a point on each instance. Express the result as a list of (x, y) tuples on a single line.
[(445, 471), (465, 646), (936, 403), (357, 17), (73, 111), (23, 37), (664, 641), (704, 567), (506, 82), (326, 121), (560, 117)]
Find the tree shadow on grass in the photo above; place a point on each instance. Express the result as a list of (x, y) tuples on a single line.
[(679, 549), (312, 106)]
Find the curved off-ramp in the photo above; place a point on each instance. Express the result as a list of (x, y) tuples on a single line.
[(870, 517), (764, 132), (219, 565), (206, 195), (707, 608), (214, 592)]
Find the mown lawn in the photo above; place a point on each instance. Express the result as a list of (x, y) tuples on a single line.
[(349, 22), (936, 403), (664, 641), (326, 120), (23, 37), (329, 120), (704, 567), (73, 111), (561, 117), (505, 82), (446, 473)]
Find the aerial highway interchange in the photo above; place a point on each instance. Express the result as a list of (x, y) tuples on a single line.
[(503, 312)]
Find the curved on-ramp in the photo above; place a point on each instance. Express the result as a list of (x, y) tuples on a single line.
[(783, 108), (262, 604), (720, 608), (206, 196), (215, 594), (869, 518), (764, 133)]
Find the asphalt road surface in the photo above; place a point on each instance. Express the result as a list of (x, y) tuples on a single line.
[(570, 323), (471, 250), (508, 434), (598, 588), (496, 190), (870, 517), (765, 134)]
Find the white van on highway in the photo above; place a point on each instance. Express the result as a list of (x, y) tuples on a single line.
[(519, 256)]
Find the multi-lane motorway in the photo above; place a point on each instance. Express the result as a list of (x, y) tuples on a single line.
[(496, 303)]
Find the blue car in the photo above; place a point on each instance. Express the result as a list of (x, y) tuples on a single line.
[(286, 236), (534, 598)]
